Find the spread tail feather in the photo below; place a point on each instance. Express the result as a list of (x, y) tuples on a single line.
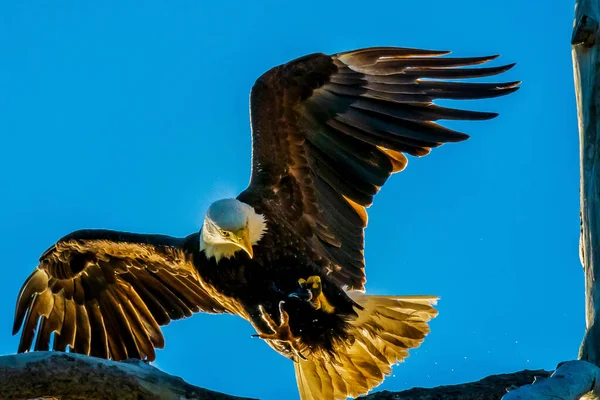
[(386, 328)]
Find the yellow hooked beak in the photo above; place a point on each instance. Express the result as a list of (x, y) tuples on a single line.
[(243, 242)]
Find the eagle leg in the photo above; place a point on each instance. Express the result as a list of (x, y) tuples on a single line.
[(281, 332), (311, 290)]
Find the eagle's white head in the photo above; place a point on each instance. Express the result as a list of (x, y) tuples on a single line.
[(230, 226)]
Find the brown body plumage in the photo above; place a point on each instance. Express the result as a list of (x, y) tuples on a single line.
[(328, 131)]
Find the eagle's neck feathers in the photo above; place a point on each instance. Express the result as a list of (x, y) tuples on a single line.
[(257, 226), (218, 251)]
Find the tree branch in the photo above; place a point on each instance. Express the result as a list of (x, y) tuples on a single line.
[(570, 381), (52, 375), (69, 376), (491, 388)]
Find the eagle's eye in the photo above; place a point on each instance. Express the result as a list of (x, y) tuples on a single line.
[(225, 233)]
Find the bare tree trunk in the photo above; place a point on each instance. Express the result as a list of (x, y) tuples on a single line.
[(585, 65), (578, 377)]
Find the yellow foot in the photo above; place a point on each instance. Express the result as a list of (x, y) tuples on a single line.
[(281, 332), (311, 290)]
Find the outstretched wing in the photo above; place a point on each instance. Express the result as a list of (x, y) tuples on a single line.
[(106, 294), (328, 131)]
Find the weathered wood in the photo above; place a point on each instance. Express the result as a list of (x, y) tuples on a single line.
[(570, 381), (490, 388), (53, 375), (575, 379), (585, 66), (64, 376)]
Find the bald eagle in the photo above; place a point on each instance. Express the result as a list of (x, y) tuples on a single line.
[(286, 254)]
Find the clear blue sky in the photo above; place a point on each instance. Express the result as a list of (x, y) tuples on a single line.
[(135, 117)]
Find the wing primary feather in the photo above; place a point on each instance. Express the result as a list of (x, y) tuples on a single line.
[(337, 201), (158, 311), (411, 133), (457, 73), (175, 308), (99, 340), (417, 112), (83, 333), (115, 332), (51, 324), (147, 318), (378, 138), (178, 288), (363, 160), (36, 283), (67, 334), (31, 322), (42, 341), (42, 307), (344, 182), (138, 329), (369, 56), (393, 66)]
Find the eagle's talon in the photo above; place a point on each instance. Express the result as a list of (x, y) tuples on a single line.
[(311, 291), (267, 318), (280, 332)]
